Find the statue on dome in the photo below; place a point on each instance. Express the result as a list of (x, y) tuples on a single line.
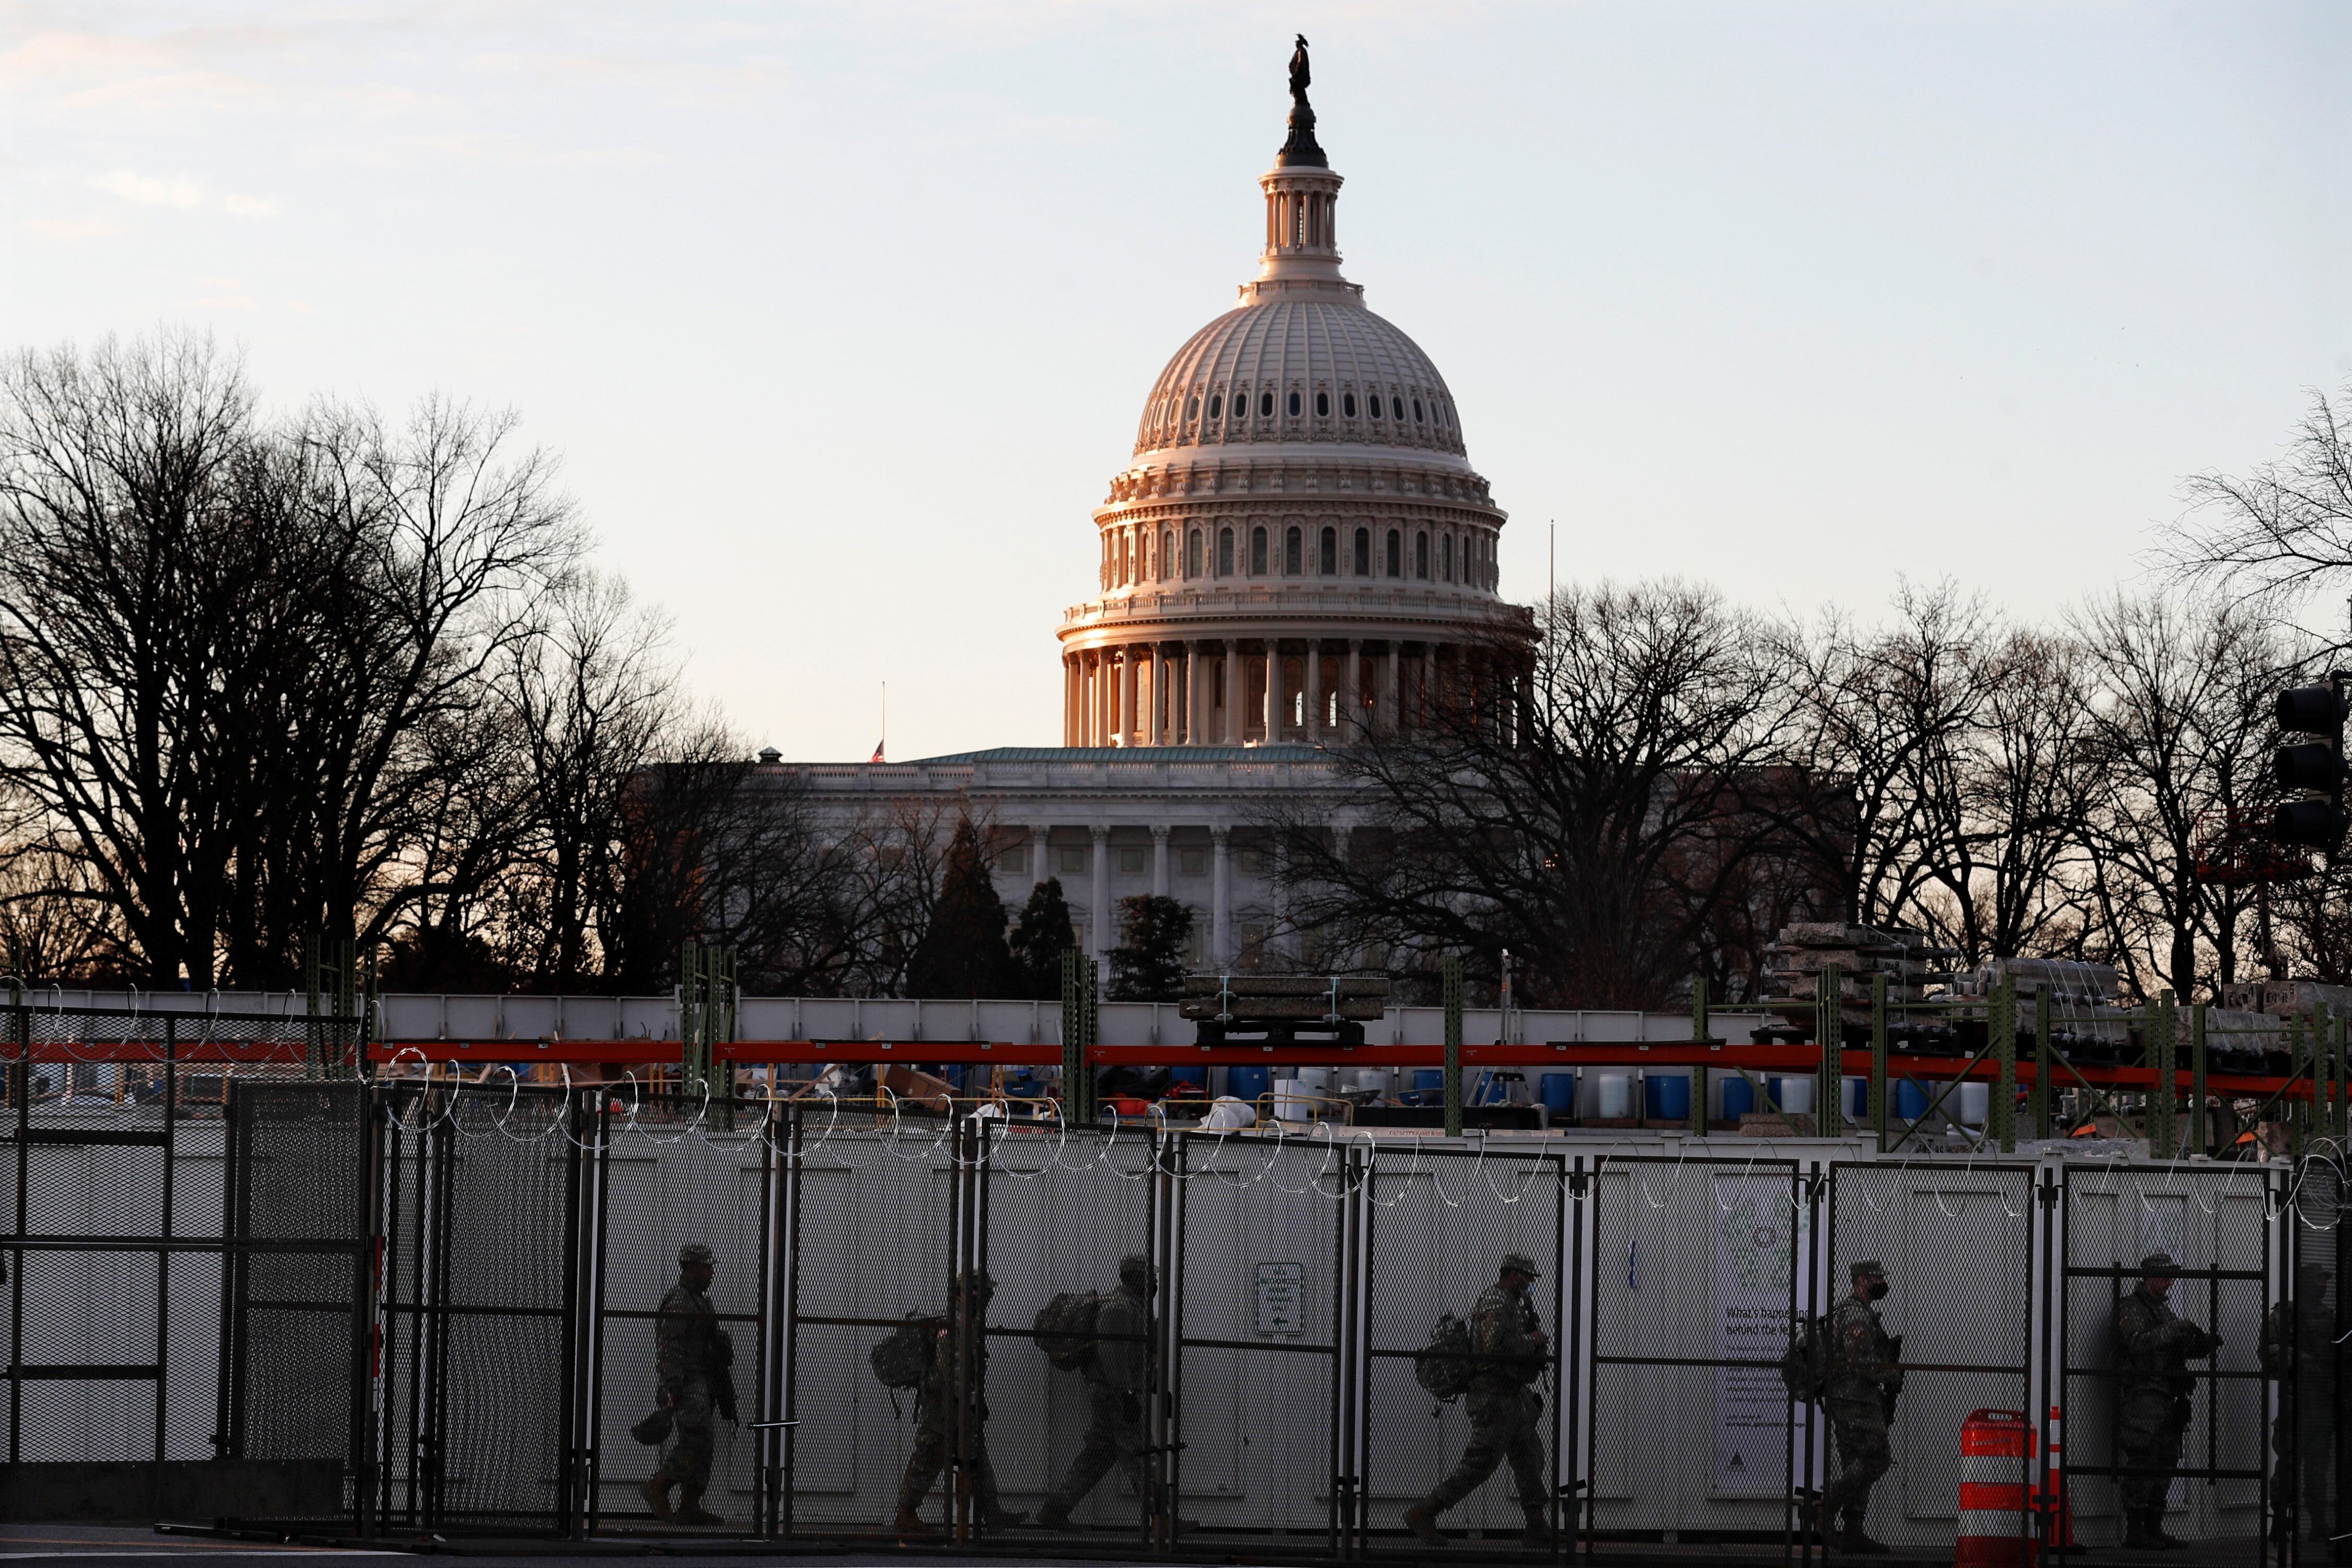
[(1301, 147)]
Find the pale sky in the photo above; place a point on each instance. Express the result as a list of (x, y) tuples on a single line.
[(842, 315)]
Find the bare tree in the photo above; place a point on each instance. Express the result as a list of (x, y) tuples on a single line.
[(2286, 527), (1596, 834)]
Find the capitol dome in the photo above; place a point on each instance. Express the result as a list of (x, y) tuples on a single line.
[(1298, 550)]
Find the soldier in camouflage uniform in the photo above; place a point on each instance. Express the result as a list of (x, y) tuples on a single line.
[(2152, 1389), (1865, 1373), (2298, 1349), (1512, 1349), (935, 1413), (1117, 1374), (691, 1357)]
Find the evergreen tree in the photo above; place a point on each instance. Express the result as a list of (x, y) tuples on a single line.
[(1148, 965), (1042, 935), (963, 952)]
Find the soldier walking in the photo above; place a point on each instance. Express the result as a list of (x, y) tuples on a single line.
[(2298, 1349), (1511, 1349), (1117, 1374), (1866, 1374), (2153, 1386), (691, 1357), (935, 1413)]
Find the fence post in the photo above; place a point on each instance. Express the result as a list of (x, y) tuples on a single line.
[(1452, 971), (2162, 1036), (2196, 1078), (2001, 1036), (1700, 1036), (1878, 1059), (1828, 1028), (2043, 1054)]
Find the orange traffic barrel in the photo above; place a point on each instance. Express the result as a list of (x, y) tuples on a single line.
[(1995, 1525)]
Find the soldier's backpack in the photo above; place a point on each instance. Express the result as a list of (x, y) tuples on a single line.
[(1444, 1365), (1805, 1365), (1065, 1327), (904, 1359)]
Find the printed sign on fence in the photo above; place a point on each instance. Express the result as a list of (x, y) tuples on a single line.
[(1758, 1235)]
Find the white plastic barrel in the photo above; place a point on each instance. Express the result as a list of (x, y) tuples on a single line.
[(1616, 1095), (1314, 1081), (1976, 1102), (1795, 1094)]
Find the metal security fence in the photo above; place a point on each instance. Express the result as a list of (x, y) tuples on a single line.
[(447, 1299)]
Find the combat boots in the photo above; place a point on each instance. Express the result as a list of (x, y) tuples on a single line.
[(1052, 1518), (909, 1522), (1854, 1542), (996, 1516), (1422, 1520), (656, 1494), (690, 1510)]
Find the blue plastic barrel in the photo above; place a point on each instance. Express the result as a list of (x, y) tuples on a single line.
[(1910, 1099), (1189, 1075), (1245, 1083), (1558, 1091), (1857, 1100), (1667, 1098), (1430, 1078), (1738, 1097)]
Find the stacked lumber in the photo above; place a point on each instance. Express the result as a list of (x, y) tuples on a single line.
[(1303, 997), (1794, 962)]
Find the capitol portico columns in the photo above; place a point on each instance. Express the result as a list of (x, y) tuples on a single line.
[(1234, 727), (1160, 862), (1192, 689), (1351, 692), (1274, 705), (1312, 730), (1390, 713), (1126, 698), (1039, 854)]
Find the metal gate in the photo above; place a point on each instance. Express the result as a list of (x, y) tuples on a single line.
[(1436, 1224), (1959, 1246), (2219, 1224), (296, 1320), (486, 1244), (1698, 1271)]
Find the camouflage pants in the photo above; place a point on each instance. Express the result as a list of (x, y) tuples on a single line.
[(1864, 1454), (934, 1448), (1112, 1440), (2148, 1430), (689, 1460), (1503, 1426), (2305, 1442)]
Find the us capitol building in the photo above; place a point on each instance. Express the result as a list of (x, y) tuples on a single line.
[(1299, 550)]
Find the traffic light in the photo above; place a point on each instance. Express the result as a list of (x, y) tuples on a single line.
[(2310, 768)]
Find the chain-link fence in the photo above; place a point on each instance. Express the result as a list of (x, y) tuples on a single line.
[(497, 1306)]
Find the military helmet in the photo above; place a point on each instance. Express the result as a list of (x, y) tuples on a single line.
[(1520, 1263), (694, 1252), (1867, 1269), (2158, 1266), (1134, 1272)]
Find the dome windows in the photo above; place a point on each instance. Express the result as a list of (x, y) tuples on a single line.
[(1265, 404), (1416, 411), (1363, 552), (1224, 553), (1348, 404), (1167, 553), (1376, 405), (1396, 553), (1322, 406), (1446, 557), (1293, 406), (1396, 407), (1216, 405), (1421, 555), (1291, 564), (1326, 553), (1193, 408), (1258, 547), (1192, 553)]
